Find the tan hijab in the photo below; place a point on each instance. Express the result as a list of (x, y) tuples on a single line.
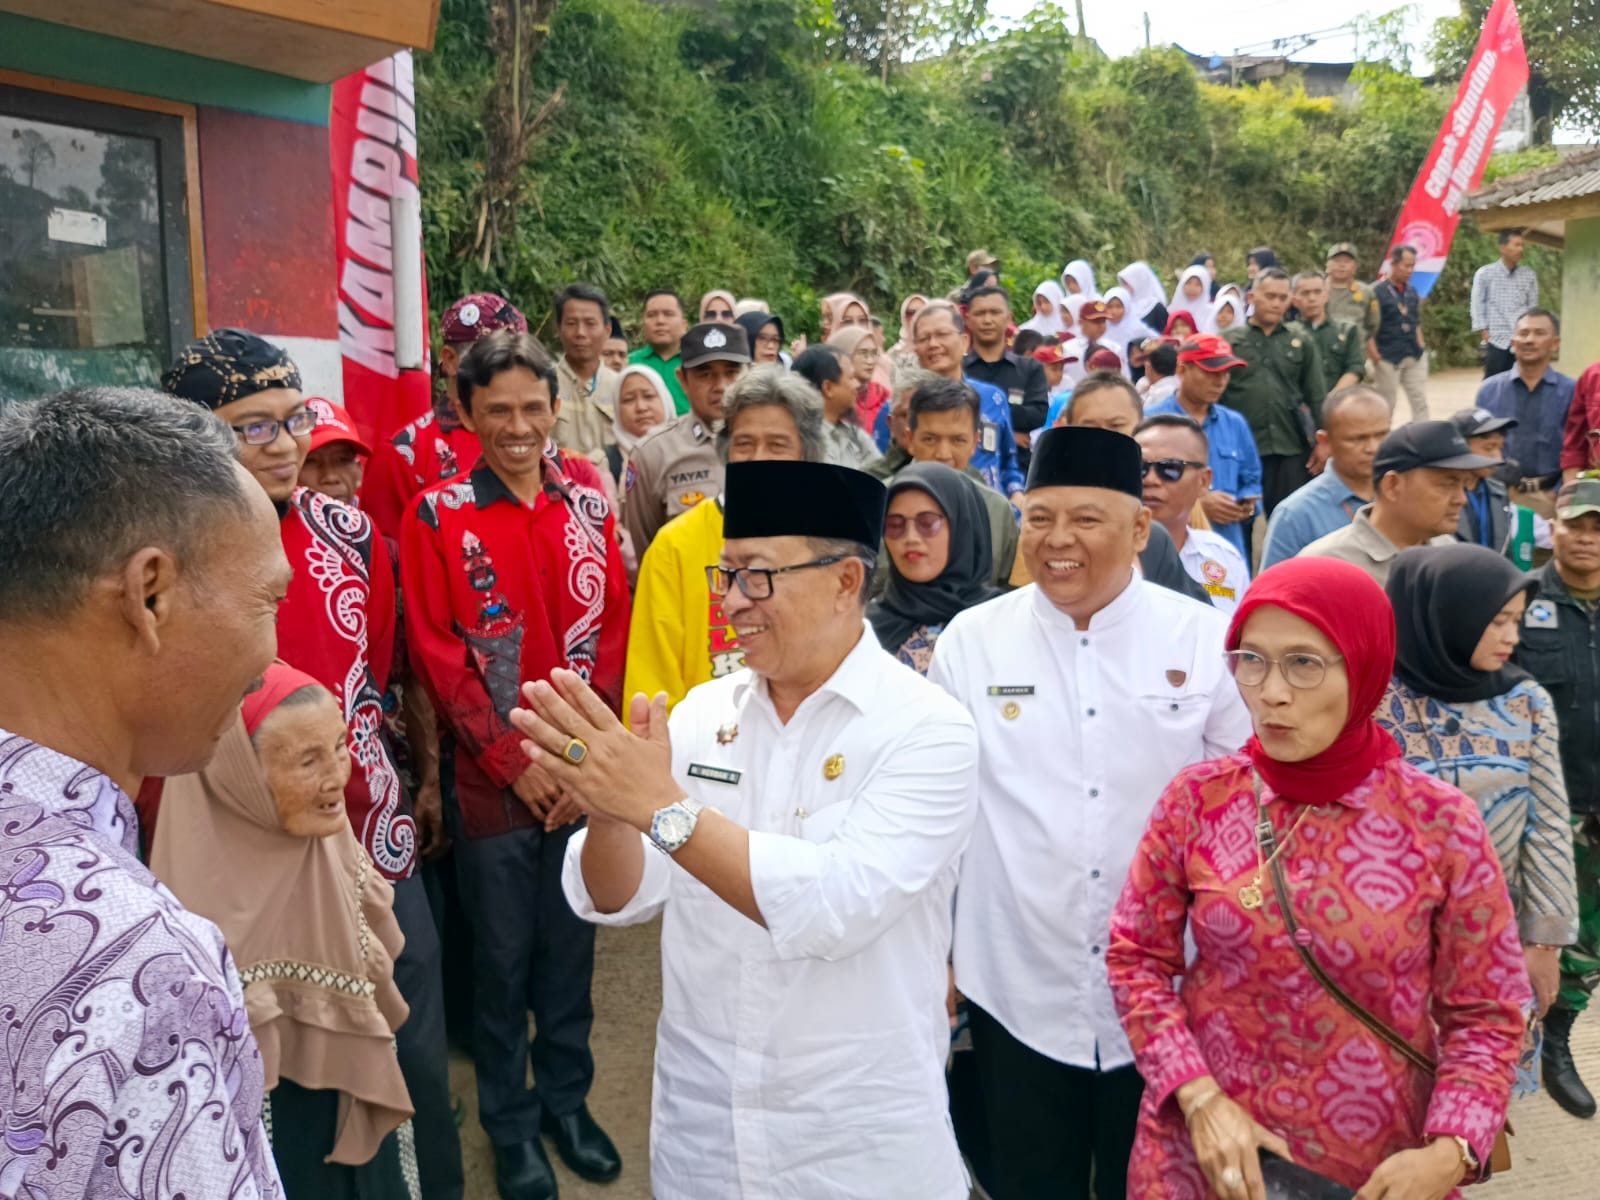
[(311, 926)]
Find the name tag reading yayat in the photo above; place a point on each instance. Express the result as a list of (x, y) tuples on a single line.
[(715, 774)]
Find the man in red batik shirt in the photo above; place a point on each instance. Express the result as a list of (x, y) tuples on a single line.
[(337, 624), (1580, 447), (509, 572), (436, 446)]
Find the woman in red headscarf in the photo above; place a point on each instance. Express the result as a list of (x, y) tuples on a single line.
[(1314, 859)]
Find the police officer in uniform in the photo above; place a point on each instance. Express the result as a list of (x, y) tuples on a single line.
[(677, 467), (799, 833)]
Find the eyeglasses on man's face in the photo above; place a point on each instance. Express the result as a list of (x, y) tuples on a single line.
[(264, 433), (756, 582), (1168, 470), (1300, 669)]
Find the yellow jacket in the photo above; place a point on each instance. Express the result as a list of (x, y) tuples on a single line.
[(679, 637)]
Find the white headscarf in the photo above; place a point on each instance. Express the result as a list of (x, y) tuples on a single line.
[(1144, 285), (1205, 321), (1129, 331), (1051, 325), (1228, 294), (1079, 270), (626, 440)]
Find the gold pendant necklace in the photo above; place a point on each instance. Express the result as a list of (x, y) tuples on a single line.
[(1250, 895)]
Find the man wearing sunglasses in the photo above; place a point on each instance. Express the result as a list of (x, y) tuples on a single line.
[(1176, 476), (342, 566), (799, 829)]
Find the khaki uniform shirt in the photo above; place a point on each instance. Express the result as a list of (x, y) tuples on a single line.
[(1283, 371), (1360, 543), (670, 472), (1354, 304), (584, 424)]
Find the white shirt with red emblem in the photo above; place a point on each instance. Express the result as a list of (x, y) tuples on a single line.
[(1214, 563)]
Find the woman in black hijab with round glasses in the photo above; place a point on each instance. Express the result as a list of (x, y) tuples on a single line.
[(937, 537), (1464, 713)]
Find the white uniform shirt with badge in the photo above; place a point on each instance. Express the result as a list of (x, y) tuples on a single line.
[(1081, 731), (806, 1060), (1215, 565)]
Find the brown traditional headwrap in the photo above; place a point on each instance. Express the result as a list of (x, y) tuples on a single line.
[(228, 365)]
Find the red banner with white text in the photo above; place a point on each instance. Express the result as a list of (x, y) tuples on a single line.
[(377, 222), (1497, 72)]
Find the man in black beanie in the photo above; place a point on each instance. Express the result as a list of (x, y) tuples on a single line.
[(800, 831), (1124, 682)]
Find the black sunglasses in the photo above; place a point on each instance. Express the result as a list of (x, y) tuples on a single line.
[(1170, 470)]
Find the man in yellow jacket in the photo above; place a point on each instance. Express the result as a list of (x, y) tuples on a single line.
[(680, 637)]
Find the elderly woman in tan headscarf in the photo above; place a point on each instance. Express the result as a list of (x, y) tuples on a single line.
[(904, 353), (260, 844), (860, 345)]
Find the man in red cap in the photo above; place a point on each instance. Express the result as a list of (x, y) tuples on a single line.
[(435, 446), (337, 456), (1205, 363), (1093, 320)]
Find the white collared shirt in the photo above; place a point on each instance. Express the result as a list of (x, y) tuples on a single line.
[(1081, 731), (1214, 563), (806, 1060)]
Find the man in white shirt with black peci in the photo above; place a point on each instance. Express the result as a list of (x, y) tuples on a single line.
[(1101, 688), (807, 815)]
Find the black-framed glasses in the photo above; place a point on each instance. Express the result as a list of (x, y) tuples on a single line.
[(756, 582), (927, 524), (1169, 470), (1300, 670), (264, 433)]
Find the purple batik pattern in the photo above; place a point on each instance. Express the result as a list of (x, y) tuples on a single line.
[(127, 1066)]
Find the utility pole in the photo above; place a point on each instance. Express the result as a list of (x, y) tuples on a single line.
[(1147, 31), (1082, 33)]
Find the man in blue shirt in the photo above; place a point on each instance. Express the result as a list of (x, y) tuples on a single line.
[(1536, 396), (939, 337), (1355, 420), (1203, 366)]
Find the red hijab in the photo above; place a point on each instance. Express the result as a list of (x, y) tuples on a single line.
[(278, 683), (1347, 605)]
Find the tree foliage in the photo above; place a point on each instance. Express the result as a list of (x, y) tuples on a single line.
[(1563, 43), (732, 143)]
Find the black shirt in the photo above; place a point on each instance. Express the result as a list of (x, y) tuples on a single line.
[(1022, 380), (1399, 319)]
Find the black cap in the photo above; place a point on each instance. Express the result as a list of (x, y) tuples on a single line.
[(1476, 422), (710, 342), (1427, 444), (1083, 456), (802, 499)]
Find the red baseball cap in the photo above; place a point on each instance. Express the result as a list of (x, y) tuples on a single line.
[(1104, 359), (1094, 308), (479, 315), (1210, 353), (1050, 354), (334, 424)]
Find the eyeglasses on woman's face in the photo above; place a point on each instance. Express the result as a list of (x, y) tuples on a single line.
[(1169, 470), (768, 341), (1301, 669), (717, 314), (927, 524)]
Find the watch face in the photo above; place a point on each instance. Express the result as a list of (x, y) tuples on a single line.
[(673, 827)]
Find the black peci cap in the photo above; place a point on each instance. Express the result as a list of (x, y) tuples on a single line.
[(802, 499), (1083, 456), (1427, 444)]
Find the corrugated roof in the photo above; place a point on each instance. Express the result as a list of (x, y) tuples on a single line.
[(1574, 176)]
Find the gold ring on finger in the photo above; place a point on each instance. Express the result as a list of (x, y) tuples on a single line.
[(575, 751)]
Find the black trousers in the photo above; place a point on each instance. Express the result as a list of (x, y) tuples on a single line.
[(304, 1126), (424, 1054), (1055, 1132), (530, 951), (1496, 360), (1280, 475)]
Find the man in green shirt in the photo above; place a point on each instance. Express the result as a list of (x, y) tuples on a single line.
[(1279, 390), (1339, 343), (1348, 298), (664, 327)]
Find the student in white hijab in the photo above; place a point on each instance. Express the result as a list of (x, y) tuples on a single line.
[(1049, 315), (1078, 280), (1230, 297), (635, 414), (1196, 300), (1126, 329), (1149, 298)]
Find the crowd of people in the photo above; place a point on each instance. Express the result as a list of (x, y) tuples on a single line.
[(1095, 755)]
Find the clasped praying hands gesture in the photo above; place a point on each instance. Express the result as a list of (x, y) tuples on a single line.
[(595, 763)]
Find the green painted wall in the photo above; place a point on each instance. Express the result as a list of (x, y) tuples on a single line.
[(1580, 296), (42, 48)]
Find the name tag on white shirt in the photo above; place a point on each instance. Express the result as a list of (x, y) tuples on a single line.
[(715, 774)]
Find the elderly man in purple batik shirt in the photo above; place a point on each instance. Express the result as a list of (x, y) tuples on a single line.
[(142, 572)]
